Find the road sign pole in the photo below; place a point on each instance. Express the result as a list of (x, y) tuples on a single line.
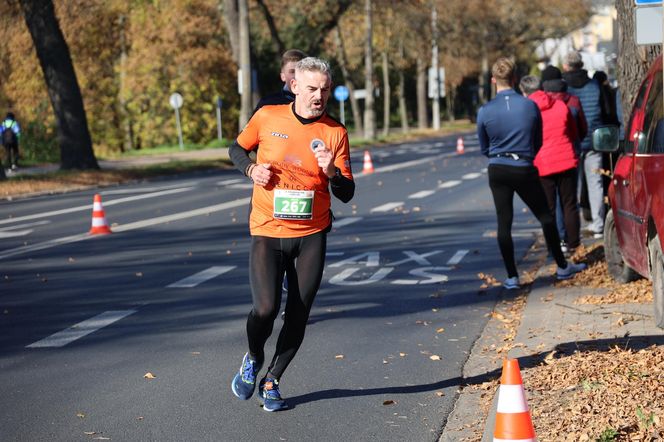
[(341, 112), (177, 122)]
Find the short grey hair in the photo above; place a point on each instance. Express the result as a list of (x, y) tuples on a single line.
[(529, 84), (313, 64), (574, 60)]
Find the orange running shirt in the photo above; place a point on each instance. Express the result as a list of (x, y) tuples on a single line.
[(296, 201)]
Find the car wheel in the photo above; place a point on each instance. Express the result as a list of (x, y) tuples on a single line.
[(620, 271), (657, 274)]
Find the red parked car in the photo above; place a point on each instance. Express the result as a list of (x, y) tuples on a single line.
[(634, 227)]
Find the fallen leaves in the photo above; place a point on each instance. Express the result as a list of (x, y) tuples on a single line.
[(435, 358), (149, 375), (389, 402)]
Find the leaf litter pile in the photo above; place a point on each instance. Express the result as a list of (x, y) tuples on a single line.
[(592, 392)]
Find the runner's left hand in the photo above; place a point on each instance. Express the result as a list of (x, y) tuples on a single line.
[(324, 157)]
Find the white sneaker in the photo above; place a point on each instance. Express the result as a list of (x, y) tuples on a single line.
[(512, 283), (571, 270)]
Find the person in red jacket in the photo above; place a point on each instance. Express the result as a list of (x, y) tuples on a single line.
[(557, 159)]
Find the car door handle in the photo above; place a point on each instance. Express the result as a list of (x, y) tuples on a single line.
[(625, 183)]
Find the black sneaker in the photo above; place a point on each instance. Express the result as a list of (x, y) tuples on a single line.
[(269, 395), (244, 381)]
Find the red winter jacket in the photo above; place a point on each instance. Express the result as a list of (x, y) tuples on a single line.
[(574, 105), (558, 132)]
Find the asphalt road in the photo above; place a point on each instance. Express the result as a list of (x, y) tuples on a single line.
[(84, 318)]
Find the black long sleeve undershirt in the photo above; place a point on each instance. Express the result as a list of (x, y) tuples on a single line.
[(342, 187)]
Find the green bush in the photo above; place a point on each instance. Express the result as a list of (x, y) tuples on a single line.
[(38, 144)]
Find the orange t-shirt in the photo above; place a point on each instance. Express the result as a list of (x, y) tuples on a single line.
[(296, 202)]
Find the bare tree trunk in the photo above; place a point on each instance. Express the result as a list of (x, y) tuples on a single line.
[(403, 113), (278, 43), (435, 102), (63, 90), (402, 103), (232, 20), (634, 60), (449, 100), (245, 64), (387, 95), (125, 117), (421, 94), (369, 112), (341, 58)]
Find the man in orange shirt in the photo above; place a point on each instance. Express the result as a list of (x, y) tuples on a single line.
[(304, 153)]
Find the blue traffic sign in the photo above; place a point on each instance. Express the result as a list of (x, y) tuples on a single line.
[(647, 2), (341, 93)]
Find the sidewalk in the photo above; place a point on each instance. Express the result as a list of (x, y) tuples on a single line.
[(137, 161), (550, 321)]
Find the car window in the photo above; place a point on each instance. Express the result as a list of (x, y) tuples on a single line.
[(636, 119), (653, 115)]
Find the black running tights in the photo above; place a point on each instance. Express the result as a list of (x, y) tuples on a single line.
[(303, 260), (524, 181)]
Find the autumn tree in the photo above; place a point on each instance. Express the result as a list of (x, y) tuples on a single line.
[(63, 90)]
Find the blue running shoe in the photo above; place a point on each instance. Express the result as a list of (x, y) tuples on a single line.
[(244, 381), (269, 395)]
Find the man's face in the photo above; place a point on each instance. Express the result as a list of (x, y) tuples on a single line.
[(288, 73), (312, 90)]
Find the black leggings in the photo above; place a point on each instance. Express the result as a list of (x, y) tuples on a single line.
[(268, 260), (504, 182)]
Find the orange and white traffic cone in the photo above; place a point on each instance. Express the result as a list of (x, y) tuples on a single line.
[(368, 165), (460, 148), (512, 417), (99, 224)]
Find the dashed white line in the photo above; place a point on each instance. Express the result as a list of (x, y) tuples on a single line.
[(387, 207), (346, 221), (200, 277), (64, 337), (471, 176), (448, 184), (242, 186), (229, 182), (458, 256), (422, 194)]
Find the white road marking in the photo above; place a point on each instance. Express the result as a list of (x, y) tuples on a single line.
[(387, 207), (458, 256), (202, 276), (471, 176), (125, 227), (229, 182), (521, 233), (448, 184), (89, 206), (146, 189), (422, 194), (15, 234), (345, 221), (13, 231), (242, 186), (66, 336)]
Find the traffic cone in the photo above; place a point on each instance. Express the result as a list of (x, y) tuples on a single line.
[(368, 165), (512, 417), (460, 148), (99, 224)]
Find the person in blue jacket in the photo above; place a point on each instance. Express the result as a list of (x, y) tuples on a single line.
[(509, 129)]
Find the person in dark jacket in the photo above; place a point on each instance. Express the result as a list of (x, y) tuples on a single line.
[(287, 73), (598, 112), (557, 159), (10, 131), (509, 129)]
